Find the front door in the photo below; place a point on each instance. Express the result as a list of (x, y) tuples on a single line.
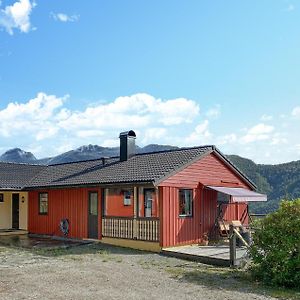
[(93, 215), (15, 211)]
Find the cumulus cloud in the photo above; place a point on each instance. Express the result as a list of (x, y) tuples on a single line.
[(154, 135), (46, 124), (266, 118), (62, 17), (17, 16), (290, 8), (46, 117), (200, 136), (257, 133), (36, 117), (227, 139), (139, 110), (214, 112), (296, 111)]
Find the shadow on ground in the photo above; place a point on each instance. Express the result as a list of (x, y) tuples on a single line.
[(49, 247), (229, 280)]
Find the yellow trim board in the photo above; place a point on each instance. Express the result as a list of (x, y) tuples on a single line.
[(134, 244), (13, 232)]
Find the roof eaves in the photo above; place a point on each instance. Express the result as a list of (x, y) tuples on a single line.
[(83, 184)]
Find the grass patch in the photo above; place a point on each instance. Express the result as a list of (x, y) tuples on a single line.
[(228, 279)]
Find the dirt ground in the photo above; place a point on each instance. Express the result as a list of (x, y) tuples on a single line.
[(96, 271)]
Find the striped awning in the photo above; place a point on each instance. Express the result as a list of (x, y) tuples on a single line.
[(239, 194)]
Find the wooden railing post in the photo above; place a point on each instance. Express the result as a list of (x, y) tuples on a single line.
[(135, 212), (232, 243)]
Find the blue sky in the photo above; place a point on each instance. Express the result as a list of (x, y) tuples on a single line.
[(178, 72)]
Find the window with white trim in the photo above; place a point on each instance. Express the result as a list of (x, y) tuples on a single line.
[(185, 202), (43, 203)]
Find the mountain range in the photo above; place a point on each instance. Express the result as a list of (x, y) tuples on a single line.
[(281, 181)]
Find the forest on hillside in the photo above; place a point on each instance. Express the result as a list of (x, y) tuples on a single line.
[(279, 182)]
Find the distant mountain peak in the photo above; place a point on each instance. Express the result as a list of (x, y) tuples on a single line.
[(18, 155), (89, 148)]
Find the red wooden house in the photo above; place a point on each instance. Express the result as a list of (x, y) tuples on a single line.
[(146, 201)]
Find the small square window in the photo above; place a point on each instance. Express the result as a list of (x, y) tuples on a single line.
[(185, 202), (1, 198), (127, 197), (43, 203)]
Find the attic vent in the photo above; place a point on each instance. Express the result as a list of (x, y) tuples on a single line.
[(127, 144)]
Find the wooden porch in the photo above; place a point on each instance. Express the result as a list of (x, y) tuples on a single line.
[(218, 255), (142, 229)]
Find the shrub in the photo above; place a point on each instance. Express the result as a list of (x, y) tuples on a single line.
[(276, 246)]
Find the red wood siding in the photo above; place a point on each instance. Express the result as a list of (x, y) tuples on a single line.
[(62, 203), (209, 210), (114, 204), (209, 171), (235, 211), (177, 230)]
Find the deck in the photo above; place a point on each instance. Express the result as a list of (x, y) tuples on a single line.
[(218, 255)]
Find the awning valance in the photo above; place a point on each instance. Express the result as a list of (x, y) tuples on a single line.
[(239, 194)]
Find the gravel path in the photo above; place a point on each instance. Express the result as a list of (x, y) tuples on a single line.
[(102, 272)]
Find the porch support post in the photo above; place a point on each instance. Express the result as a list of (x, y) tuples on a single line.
[(135, 211), (232, 245)]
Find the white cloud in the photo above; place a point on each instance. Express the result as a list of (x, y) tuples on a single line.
[(62, 17), (257, 133), (17, 16), (36, 117), (48, 126), (266, 118), (290, 8), (200, 136), (110, 143), (154, 135), (46, 118), (139, 110), (89, 133), (227, 139), (296, 111), (214, 112)]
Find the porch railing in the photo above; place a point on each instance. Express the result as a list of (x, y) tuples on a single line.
[(148, 229), (144, 229)]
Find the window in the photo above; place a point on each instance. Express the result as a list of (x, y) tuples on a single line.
[(93, 203), (1, 198), (127, 197), (43, 203), (185, 202)]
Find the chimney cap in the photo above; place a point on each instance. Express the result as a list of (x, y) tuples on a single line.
[(130, 133)]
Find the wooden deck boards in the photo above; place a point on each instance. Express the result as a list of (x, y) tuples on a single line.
[(213, 255)]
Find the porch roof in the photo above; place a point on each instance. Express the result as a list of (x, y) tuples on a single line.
[(239, 194)]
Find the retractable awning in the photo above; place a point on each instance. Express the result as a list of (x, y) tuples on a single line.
[(239, 194)]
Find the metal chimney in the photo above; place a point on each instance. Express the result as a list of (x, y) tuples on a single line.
[(127, 144)]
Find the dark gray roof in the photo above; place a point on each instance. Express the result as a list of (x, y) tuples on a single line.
[(149, 167), (14, 176)]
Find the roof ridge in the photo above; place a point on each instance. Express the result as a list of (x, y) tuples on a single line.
[(21, 163), (81, 161), (137, 154), (179, 149)]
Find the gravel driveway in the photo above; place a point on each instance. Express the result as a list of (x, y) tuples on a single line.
[(96, 271)]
